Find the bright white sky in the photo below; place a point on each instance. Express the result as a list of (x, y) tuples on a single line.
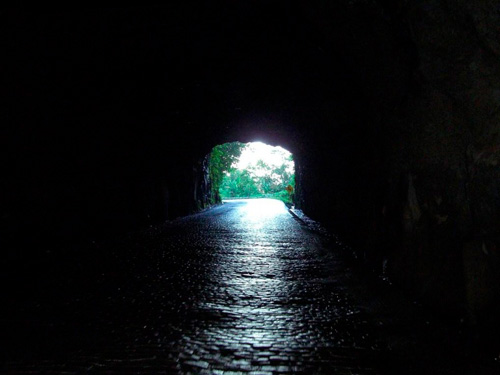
[(272, 156)]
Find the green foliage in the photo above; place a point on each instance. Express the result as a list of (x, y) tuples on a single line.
[(258, 181), (282, 195), (221, 159), (238, 183)]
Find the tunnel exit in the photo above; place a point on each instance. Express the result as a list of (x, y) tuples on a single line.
[(252, 170)]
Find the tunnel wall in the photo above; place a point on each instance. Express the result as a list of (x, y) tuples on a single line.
[(451, 217), (415, 180), (390, 111)]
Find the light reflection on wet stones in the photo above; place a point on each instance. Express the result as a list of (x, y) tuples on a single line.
[(264, 305), (242, 288)]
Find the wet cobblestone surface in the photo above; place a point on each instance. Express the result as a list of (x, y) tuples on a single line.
[(243, 288)]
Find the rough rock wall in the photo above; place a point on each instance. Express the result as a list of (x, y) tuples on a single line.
[(204, 197), (449, 149), (409, 173)]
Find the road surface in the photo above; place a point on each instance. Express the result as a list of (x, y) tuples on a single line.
[(243, 288)]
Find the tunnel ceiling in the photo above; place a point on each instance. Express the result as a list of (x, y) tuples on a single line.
[(121, 86), (200, 66)]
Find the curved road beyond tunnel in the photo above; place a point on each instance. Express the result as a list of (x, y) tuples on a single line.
[(241, 288)]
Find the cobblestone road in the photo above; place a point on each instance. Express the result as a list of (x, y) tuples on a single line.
[(242, 288)]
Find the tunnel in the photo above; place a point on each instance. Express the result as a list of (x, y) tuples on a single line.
[(391, 110)]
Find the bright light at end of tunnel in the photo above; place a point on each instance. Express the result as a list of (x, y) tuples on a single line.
[(271, 155), (257, 211)]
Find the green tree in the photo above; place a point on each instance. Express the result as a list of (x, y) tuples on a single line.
[(258, 180), (239, 183), (220, 160)]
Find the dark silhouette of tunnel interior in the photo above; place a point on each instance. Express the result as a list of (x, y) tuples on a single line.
[(390, 109)]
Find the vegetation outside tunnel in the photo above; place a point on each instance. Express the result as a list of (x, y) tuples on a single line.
[(252, 170)]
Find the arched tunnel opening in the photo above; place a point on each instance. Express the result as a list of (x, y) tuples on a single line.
[(109, 116), (250, 170)]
